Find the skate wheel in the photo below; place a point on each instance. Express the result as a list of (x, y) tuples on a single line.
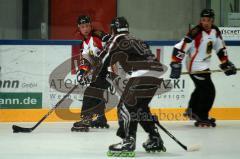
[(120, 154), (196, 124), (214, 125), (123, 155), (212, 120), (164, 149), (116, 154), (73, 129), (109, 153), (132, 154), (127, 154)]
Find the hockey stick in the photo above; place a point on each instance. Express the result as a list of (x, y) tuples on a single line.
[(189, 148), (200, 72), (17, 129)]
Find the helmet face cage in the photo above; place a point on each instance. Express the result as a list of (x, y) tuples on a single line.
[(83, 19), (119, 24), (207, 13)]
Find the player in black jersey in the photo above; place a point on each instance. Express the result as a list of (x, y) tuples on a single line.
[(142, 70)]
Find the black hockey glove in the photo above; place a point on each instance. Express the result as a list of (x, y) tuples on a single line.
[(176, 69), (106, 37), (228, 68), (82, 78)]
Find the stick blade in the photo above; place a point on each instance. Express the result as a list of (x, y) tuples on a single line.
[(193, 148), (18, 129)]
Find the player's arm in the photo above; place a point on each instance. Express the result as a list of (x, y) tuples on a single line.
[(83, 70), (178, 55), (87, 63), (226, 65), (110, 49), (180, 50)]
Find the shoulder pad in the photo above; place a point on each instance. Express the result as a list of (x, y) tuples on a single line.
[(219, 34), (215, 27), (194, 31), (121, 37)]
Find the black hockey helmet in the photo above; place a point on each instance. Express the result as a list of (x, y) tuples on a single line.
[(83, 19), (208, 13), (120, 24)]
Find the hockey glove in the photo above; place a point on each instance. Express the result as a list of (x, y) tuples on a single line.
[(228, 68), (176, 69), (82, 78), (106, 37)]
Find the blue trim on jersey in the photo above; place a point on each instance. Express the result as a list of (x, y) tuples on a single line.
[(40, 42), (78, 42)]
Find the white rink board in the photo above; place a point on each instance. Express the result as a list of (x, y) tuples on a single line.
[(31, 65)]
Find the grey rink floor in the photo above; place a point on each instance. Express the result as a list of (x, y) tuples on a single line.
[(56, 141)]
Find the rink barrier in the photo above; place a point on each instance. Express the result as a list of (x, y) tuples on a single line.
[(171, 114), (77, 42), (165, 114)]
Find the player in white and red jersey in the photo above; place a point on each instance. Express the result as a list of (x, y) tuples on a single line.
[(197, 45), (93, 104)]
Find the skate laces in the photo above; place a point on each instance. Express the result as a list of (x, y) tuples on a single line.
[(85, 119), (129, 141)]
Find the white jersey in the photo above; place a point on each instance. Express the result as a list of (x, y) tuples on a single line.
[(91, 48), (198, 46)]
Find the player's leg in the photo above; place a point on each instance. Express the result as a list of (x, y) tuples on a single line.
[(86, 114), (100, 120), (148, 86), (210, 97), (192, 109), (93, 103), (154, 141), (127, 111), (136, 99), (127, 131), (207, 91), (206, 94)]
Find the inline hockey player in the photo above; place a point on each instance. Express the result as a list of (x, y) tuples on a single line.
[(135, 58), (93, 105), (198, 45)]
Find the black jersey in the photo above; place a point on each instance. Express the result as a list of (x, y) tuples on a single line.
[(132, 54)]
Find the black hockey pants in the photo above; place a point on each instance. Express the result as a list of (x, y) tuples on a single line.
[(133, 107), (93, 100), (203, 96)]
